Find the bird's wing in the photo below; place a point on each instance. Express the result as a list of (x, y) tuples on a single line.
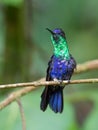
[(48, 76), (72, 62), (47, 91), (70, 65)]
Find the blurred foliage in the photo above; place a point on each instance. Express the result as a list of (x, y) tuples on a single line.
[(12, 2), (25, 49)]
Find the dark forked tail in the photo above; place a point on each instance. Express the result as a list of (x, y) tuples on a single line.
[(45, 99), (52, 97)]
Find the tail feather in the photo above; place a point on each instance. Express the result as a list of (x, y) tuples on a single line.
[(53, 98), (60, 101), (44, 99), (56, 101), (53, 102)]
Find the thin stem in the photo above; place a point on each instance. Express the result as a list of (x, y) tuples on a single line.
[(42, 82), (22, 114), (14, 95), (86, 66), (90, 65)]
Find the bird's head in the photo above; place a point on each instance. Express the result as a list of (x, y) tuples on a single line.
[(57, 35), (59, 42)]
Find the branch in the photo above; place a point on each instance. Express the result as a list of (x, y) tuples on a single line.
[(13, 96), (42, 82), (90, 65), (34, 85)]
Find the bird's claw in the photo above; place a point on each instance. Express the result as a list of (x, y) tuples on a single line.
[(60, 81), (68, 81)]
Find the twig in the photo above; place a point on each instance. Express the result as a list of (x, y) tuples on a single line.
[(17, 85), (22, 114), (13, 96), (90, 65), (45, 83)]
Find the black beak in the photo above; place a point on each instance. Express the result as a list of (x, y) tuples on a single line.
[(50, 31)]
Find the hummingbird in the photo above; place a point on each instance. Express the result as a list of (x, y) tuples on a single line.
[(60, 67)]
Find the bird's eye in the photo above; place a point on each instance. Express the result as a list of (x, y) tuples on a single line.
[(62, 34), (56, 38)]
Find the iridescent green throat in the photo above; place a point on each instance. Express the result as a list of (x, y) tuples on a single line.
[(61, 48)]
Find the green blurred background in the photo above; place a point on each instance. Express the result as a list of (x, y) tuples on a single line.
[(25, 49)]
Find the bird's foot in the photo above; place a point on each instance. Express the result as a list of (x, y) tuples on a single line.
[(55, 79), (68, 81), (60, 81)]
